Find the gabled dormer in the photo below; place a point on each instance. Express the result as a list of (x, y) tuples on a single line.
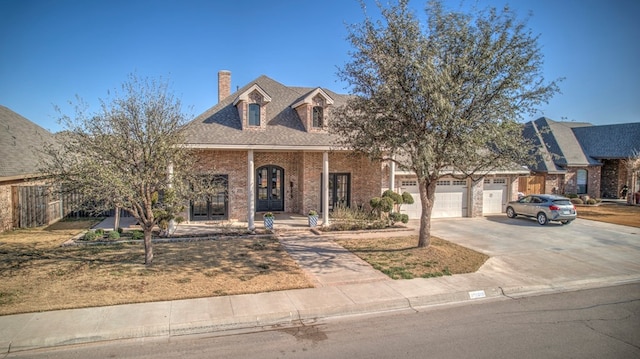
[(252, 108), (312, 110)]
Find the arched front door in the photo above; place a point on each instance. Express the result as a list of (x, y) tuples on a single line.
[(269, 189)]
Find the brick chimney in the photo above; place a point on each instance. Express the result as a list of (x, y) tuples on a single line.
[(224, 84)]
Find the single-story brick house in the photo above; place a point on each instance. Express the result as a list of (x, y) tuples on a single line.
[(580, 158), (269, 145), (24, 199)]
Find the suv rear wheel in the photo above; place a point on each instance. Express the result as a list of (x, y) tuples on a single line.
[(542, 218)]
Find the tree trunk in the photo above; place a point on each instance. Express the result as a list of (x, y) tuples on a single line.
[(116, 222), (427, 197), (148, 248)]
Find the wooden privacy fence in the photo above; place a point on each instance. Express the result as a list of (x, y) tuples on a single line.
[(35, 206), (42, 205)]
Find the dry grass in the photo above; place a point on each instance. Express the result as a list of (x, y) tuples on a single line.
[(399, 258), (611, 213), (38, 274)]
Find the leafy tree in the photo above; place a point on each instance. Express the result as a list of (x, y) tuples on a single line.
[(443, 98), (127, 155)]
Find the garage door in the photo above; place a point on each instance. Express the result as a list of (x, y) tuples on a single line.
[(451, 199), (494, 195)]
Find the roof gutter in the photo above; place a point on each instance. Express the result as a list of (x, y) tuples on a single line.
[(265, 147)]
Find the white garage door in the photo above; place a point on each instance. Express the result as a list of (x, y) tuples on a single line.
[(451, 199), (494, 195)]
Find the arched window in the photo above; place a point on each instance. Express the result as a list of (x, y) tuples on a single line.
[(318, 120), (254, 114), (581, 181)]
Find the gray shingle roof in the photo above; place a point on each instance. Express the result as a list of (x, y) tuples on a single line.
[(577, 144), (610, 141), (220, 125), (558, 144), (19, 141)]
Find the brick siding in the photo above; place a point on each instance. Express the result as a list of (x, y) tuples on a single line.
[(593, 180), (302, 177)]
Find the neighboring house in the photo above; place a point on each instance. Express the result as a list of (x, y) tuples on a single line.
[(23, 197), (579, 158), (270, 148)]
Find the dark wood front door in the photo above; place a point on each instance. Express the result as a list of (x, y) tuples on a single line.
[(269, 189)]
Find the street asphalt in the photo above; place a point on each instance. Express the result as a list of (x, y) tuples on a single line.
[(526, 259)]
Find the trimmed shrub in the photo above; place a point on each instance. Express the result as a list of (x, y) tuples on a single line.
[(571, 195), (576, 201), (100, 232), (114, 235), (407, 198), (398, 217), (90, 236), (395, 197), (137, 234), (592, 201)]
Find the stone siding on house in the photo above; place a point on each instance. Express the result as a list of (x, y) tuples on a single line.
[(476, 195), (614, 176)]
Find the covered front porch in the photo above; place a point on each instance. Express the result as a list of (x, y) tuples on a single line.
[(283, 222), (282, 180)]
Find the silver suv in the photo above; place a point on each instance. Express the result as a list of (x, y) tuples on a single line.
[(544, 207)]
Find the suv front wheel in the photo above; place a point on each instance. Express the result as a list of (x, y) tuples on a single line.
[(511, 213)]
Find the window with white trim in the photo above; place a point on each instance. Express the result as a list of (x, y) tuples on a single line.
[(408, 183)]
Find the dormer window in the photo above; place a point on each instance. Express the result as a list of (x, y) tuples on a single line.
[(254, 114), (252, 107), (312, 110), (318, 120)]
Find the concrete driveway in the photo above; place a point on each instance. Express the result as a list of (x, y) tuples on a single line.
[(525, 253)]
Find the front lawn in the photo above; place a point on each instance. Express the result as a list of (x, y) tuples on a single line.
[(400, 258), (611, 213), (39, 275)]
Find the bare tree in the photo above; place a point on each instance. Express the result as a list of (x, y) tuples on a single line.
[(129, 154), (444, 98), (633, 173)]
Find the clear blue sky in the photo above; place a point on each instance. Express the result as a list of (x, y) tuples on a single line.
[(51, 51)]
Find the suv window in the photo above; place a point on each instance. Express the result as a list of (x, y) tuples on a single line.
[(562, 202)]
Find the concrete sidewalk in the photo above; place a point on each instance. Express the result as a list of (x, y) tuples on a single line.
[(345, 285)]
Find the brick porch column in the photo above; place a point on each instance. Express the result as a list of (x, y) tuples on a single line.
[(251, 187), (325, 188)]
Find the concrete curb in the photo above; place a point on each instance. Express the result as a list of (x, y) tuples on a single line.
[(250, 311), (217, 314), (570, 286)]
